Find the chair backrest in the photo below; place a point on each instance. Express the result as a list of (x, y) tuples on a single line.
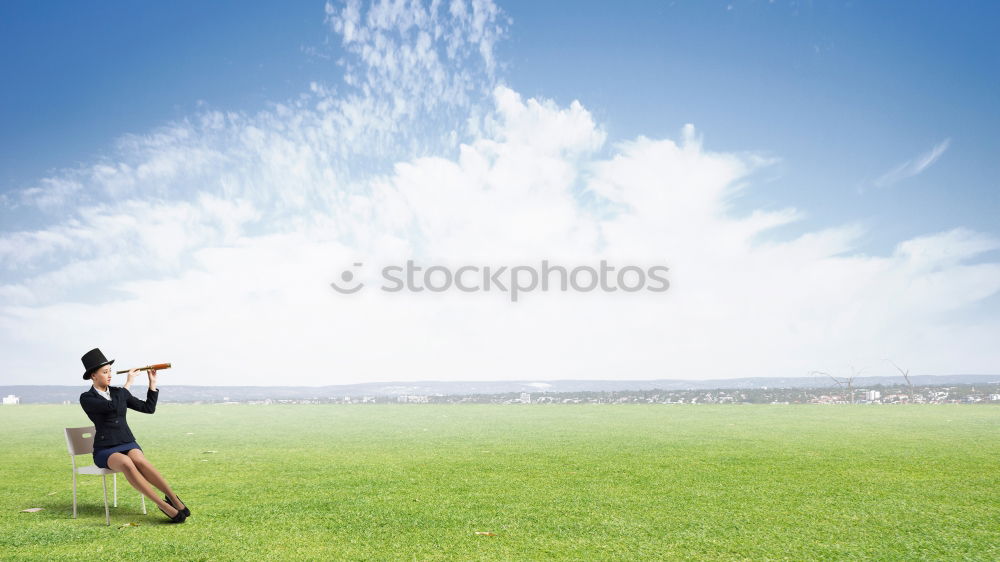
[(80, 440)]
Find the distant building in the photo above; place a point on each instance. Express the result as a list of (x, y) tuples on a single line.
[(873, 395), (412, 399), (11, 400), (526, 398)]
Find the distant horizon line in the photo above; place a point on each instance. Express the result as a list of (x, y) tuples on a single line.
[(540, 381)]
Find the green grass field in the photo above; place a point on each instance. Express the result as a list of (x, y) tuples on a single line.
[(592, 482)]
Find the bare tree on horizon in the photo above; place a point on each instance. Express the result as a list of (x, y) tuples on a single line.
[(906, 377), (849, 381)]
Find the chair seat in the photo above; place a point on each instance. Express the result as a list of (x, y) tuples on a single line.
[(80, 441), (93, 469)]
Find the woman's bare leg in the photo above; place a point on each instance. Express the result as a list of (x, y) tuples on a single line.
[(154, 477), (124, 464)]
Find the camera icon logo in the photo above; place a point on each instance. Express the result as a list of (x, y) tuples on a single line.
[(347, 276)]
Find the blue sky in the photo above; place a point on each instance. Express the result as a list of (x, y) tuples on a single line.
[(841, 92), (837, 195)]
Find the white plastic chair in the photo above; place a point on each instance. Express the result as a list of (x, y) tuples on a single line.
[(80, 441)]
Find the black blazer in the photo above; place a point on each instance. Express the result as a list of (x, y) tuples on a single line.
[(109, 415)]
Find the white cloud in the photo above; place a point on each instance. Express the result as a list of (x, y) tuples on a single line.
[(913, 167), (211, 242), (51, 193)]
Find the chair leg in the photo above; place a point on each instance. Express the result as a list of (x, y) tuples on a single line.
[(114, 484), (74, 493), (143, 498), (107, 514)]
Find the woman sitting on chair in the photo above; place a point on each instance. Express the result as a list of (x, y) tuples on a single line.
[(114, 445)]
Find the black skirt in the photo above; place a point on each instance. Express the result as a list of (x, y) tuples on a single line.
[(101, 455)]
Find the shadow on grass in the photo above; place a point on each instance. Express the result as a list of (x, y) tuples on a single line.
[(88, 511)]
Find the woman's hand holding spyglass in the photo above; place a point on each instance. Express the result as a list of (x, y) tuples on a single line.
[(130, 379)]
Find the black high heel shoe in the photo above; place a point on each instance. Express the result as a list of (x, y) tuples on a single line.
[(187, 512), (179, 518)]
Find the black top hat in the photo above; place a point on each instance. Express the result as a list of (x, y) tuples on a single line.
[(93, 360)]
